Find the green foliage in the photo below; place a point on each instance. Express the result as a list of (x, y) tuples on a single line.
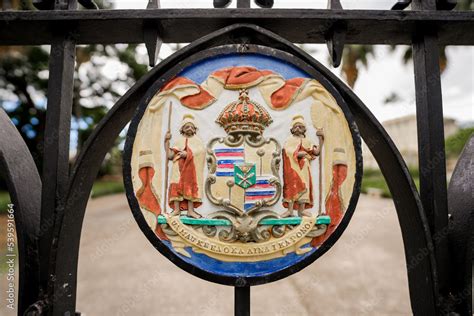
[(465, 5), (95, 92), (352, 57), (128, 56), (356, 55), (455, 143), (102, 188), (373, 178), (4, 201), (97, 86), (22, 75), (414, 172), (23, 87), (112, 164)]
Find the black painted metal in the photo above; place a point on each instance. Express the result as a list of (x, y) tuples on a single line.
[(242, 301), (265, 3), (56, 146), (336, 36), (437, 279), (94, 151), (187, 25), (24, 184), (417, 240), (63, 4), (401, 4), (151, 35), (220, 4), (446, 4), (461, 231), (431, 154)]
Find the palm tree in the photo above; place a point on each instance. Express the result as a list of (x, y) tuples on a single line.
[(352, 57), (356, 55)]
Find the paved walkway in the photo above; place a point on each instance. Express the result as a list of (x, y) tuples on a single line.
[(120, 273)]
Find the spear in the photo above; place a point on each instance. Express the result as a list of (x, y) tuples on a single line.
[(167, 149), (320, 134)]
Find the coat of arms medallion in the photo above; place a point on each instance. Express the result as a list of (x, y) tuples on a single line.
[(243, 164)]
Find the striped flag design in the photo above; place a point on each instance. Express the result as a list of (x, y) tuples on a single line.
[(226, 158), (263, 190)]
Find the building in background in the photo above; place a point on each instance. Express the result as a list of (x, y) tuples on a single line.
[(403, 132)]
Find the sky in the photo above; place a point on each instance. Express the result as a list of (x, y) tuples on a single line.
[(386, 73)]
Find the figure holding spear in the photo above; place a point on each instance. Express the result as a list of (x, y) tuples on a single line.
[(188, 157), (298, 153)]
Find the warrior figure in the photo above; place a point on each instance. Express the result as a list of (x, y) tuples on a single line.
[(188, 156), (298, 152)]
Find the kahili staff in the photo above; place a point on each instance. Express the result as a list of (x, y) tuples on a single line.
[(167, 149), (320, 134)]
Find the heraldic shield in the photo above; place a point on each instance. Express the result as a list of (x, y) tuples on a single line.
[(243, 164)]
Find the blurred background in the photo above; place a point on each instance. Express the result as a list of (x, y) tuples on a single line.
[(119, 271)]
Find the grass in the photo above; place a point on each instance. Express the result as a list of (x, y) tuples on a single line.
[(100, 188), (106, 187), (375, 183), (4, 201), (373, 178)]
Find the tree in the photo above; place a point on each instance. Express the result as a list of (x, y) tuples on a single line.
[(24, 81), (455, 143), (356, 55), (352, 57)]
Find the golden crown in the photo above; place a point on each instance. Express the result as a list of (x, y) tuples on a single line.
[(244, 116)]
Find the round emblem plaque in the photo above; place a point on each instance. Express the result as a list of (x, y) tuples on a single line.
[(242, 168)]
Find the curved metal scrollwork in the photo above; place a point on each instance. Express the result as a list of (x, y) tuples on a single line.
[(24, 184)]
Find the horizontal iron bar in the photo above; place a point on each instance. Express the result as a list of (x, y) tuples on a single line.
[(187, 25), (320, 220)]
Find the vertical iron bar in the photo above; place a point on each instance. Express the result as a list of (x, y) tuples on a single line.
[(431, 153), (56, 142), (56, 146), (242, 301)]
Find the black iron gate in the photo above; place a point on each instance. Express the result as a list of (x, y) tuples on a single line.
[(49, 213)]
